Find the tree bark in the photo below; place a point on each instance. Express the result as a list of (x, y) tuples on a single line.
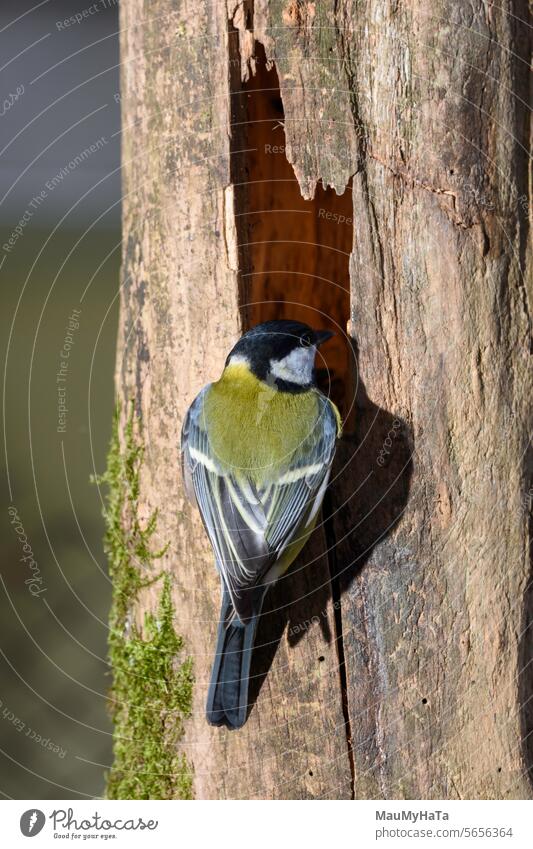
[(399, 659)]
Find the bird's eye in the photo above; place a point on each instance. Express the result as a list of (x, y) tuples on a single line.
[(305, 340)]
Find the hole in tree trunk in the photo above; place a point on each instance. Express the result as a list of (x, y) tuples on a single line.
[(294, 253)]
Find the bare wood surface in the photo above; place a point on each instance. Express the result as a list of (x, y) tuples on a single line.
[(424, 108)]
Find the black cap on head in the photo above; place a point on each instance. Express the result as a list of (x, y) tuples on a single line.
[(273, 341)]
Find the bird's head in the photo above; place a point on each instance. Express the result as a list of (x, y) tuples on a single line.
[(281, 353)]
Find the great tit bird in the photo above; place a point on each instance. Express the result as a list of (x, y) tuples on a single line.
[(257, 448)]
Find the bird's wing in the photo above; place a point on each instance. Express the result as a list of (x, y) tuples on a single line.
[(250, 528), (231, 512), (292, 503)]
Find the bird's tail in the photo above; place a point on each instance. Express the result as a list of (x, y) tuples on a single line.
[(227, 700)]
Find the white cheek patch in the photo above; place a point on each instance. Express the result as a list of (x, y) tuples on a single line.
[(238, 360), (296, 367)]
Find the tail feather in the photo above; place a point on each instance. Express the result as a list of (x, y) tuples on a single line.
[(227, 700)]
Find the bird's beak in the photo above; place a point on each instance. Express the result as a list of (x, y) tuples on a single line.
[(322, 336)]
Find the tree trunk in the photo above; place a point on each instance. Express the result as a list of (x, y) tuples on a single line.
[(397, 663)]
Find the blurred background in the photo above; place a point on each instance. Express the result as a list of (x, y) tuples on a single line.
[(59, 264)]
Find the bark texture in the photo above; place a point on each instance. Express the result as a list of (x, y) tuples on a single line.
[(399, 658)]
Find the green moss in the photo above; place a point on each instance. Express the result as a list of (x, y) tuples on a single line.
[(153, 693), (152, 687)]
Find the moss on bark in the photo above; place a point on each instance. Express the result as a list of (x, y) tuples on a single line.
[(152, 683)]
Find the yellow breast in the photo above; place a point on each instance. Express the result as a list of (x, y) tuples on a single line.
[(253, 427)]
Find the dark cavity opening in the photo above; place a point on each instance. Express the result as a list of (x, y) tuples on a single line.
[(294, 253)]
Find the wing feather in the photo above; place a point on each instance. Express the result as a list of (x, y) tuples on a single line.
[(250, 528)]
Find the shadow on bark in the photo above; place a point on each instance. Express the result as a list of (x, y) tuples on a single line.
[(368, 495)]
